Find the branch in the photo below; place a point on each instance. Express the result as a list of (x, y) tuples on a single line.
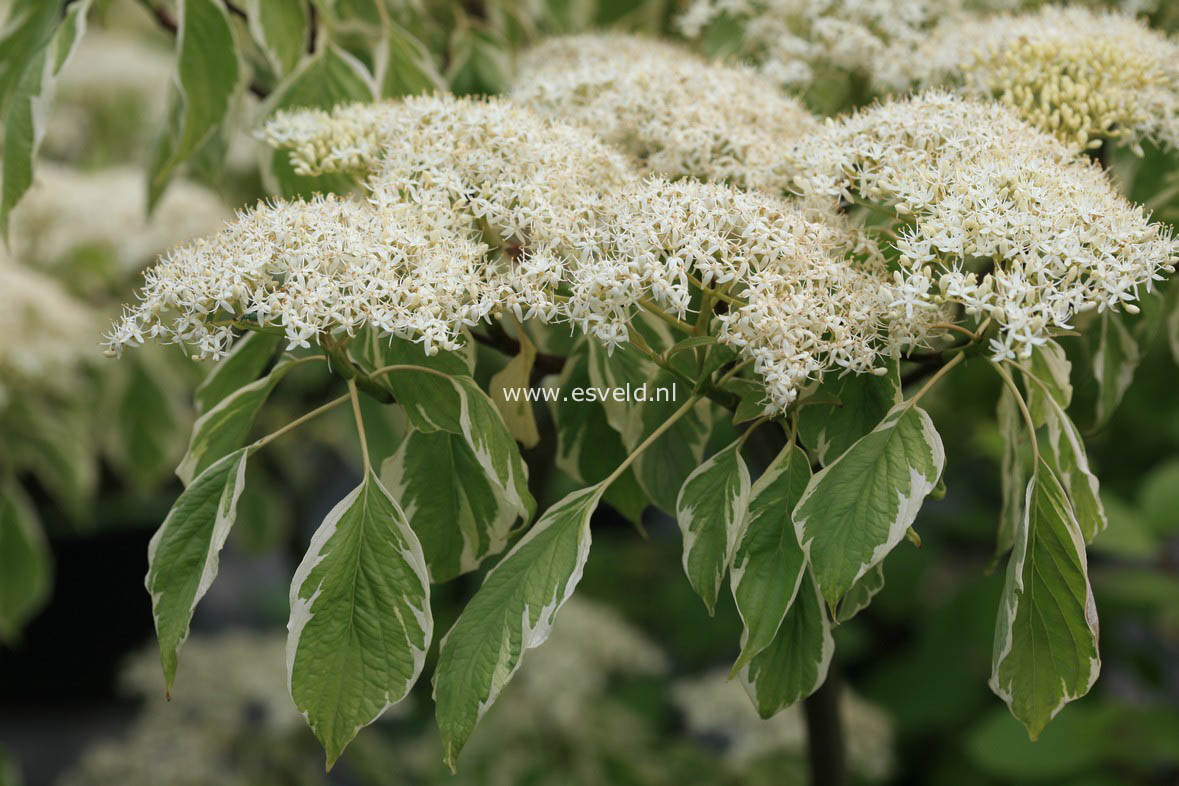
[(236, 11), (824, 727), (312, 27)]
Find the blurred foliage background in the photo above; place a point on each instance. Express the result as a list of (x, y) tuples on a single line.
[(631, 689)]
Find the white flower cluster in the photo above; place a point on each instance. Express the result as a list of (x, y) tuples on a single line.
[(796, 305), (674, 113), (314, 268), (44, 332), (480, 208), (471, 210), (992, 214), (791, 38), (68, 210), (1083, 75)]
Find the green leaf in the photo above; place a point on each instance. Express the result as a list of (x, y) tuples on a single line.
[(29, 97), (183, 554), (691, 342), (751, 398), (588, 449), (437, 401), (768, 562), (624, 369), (26, 570), (517, 376), (240, 367), (1045, 652), (1050, 368), (1115, 357), (1012, 475), (207, 77), (859, 506), (860, 595), (512, 612), (330, 77), (26, 33), (281, 28), (493, 446), (150, 432), (795, 663), (1064, 452), (459, 515), (667, 462), (407, 67), (478, 63), (224, 428), (711, 509), (426, 392), (360, 617), (862, 401)]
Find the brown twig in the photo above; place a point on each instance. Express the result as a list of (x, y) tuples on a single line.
[(236, 11), (312, 27)]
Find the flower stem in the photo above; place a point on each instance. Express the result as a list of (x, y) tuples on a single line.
[(654, 435), (262, 442), (1023, 407), (368, 467)]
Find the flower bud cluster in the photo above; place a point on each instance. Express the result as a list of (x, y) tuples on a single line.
[(1085, 76)]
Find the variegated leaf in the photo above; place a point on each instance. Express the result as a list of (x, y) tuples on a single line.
[(664, 466), (588, 449), (859, 507), (768, 562), (360, 617), (860, 595), (281, 30), (512, 612), (1064, 452), (517, 410), (1012, 475), (439, 401), (859, 402), (795, 663), (1115, 358), (224, 428), (240, 367), (710, 510), (184, 553), (35, 61), (1045, 652), (1050, 369), (459, 515), (208, 73)]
